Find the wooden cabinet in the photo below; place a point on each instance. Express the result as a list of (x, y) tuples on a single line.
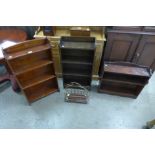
[(77, 55), (120, 47), (131, 44), (31, 63), (145, 53), (65, 31), (123, 79)]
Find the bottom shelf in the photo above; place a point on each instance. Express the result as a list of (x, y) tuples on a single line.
[(41, 90), (120, 89), (83, 80)]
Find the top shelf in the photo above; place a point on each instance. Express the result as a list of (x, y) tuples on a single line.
[(127, 70), (26, 47), (81, 43), (28, 51)]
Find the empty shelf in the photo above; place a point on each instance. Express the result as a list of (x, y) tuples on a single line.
[(128, 70), (32, 66)]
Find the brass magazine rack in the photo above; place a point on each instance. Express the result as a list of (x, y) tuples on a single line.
[(74, 92)]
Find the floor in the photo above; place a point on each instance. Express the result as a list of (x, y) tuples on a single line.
[(102, 111)]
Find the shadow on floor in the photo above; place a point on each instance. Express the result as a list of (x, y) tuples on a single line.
[(4, 86)]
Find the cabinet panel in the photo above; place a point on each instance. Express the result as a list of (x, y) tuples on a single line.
[(120, 47), (57, 65), (97, 58), (145, 54), (128, 28)]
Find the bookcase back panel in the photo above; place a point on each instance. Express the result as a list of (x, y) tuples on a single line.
[(77, 69), (77, 52), (84, 81), (83, 59)]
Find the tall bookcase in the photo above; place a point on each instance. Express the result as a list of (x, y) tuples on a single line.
[(31, 63), (77, 55)]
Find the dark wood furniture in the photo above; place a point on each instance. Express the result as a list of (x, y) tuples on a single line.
[(15, 35), (77, 55), (12, 34), (8, 76), (124, 79), (134, 44), (31, 63)]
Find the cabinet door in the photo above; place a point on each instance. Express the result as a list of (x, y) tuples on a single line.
[(145, 54), (120, 46)]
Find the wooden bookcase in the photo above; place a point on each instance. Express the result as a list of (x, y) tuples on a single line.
[(77, 55), (123, 79), (32, 65)]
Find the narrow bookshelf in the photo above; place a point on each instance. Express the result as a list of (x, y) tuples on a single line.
[(77, 55)]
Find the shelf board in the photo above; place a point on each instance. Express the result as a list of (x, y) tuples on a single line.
[(33, 66), (123, 81), (75, 74), (127, 70), (112, 92), (37, 80), (27, 51), (76, 62), (77, 45), (42, 93)]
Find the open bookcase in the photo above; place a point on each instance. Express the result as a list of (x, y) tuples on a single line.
[(123, 79), (77, 55), (32, 65)]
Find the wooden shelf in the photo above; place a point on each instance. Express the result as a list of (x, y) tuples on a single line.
[(123, 82), (32, 50), (80, 58), (127, 70), (32, 66), (123, 79), (119, 93), (31, 62), (77, 69), (42, 94), (40, 90), (77, 55), (121, 89), (38, 80), (41, 74), (75, 74), (82, 43), (83, 80), (76, 62), (77, 45)]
